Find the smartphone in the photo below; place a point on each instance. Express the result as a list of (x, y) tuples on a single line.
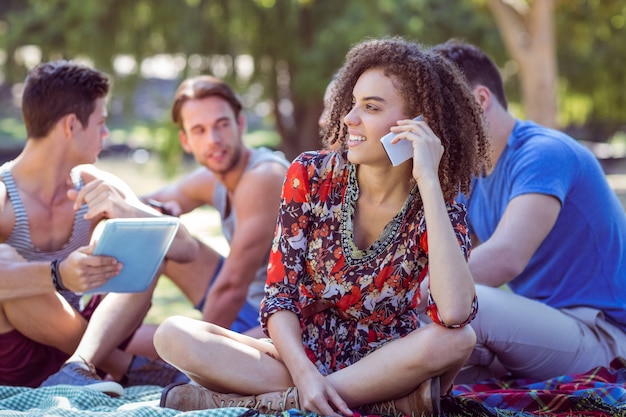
[(398, 152)]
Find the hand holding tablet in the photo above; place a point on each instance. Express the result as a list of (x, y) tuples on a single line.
[(140, 244)]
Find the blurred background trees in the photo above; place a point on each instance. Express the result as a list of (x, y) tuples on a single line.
[(562, 61)]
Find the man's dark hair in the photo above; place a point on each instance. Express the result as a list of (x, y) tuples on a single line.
[(478, 68), (55, 89), (200, 87)]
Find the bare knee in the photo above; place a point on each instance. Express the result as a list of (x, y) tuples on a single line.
[(454, 345), (177, 335), (462, 342), (169, 336)]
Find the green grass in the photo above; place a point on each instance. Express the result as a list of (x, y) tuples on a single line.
[(168, 301)]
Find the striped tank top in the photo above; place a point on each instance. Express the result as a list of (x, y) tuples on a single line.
[(20, 238)]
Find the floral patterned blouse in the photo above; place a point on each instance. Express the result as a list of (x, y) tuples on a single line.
[(373, 293)]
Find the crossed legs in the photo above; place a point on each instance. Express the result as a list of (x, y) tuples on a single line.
[(200, 349)]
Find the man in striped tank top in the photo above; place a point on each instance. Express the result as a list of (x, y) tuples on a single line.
[(51, 199)]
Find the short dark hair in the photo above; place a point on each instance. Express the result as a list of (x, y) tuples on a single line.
[(55, 89), (478, 68), (200, 87)]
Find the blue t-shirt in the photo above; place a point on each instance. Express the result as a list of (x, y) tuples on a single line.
[(582, 261)]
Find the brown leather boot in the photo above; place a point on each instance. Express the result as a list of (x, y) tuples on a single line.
[(188, 397), (278, 401), (425, 400)]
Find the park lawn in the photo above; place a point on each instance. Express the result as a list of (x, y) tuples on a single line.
[(168, 301)]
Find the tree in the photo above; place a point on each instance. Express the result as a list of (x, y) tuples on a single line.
[(591, 37), (296, 46), (528, 30)]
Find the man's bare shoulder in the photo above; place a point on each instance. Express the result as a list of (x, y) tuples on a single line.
[(270, 170), (263, 182)]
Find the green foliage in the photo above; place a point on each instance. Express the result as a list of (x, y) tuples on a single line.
[(12, 131), (591, 36), (165, 143), (258, 138), (297, 45)]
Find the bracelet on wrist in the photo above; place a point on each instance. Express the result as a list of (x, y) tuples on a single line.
[(55, 273), (158, 206)]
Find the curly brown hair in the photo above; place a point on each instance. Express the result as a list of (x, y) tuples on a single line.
[(431, 86)]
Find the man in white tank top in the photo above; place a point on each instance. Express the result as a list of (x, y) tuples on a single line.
[(243, 185)]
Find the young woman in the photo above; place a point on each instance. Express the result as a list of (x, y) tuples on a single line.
[(360, 247)]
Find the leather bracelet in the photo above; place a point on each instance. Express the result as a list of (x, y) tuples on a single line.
[(158, 206), (55, 273)]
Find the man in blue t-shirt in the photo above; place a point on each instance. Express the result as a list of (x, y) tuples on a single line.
[(552, 229)]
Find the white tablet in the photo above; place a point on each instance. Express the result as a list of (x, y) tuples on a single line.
[(140, 244)]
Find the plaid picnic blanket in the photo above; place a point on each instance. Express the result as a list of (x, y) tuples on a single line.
[(68, 401), (599, 392)]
